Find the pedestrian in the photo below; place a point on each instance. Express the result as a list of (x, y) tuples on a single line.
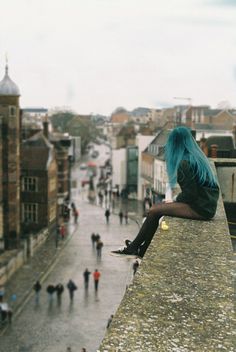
[(2, 293), (93, 239), (109, 321), (96, 277), (100, 196), (37, 288), (73, 207), (58, 231), (97, 237), (83, 349), (76, 215), (126, 218), (71, 288), (86, 278), (121, 216), (99, 246), (107, 215), (187, 165), (3, 310), (59, 290), (9, 315), (66, 213), (147, 204), (135, 266), (50, 291), (63, 231)]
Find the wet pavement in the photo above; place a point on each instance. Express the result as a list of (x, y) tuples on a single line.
[(52, 327)]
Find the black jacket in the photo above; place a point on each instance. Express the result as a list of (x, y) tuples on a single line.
[(201, 198)]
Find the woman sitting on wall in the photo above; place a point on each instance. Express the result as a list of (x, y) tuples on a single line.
[(187, 165)]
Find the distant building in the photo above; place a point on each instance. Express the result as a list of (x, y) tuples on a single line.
[(120, 116), (38, 185)]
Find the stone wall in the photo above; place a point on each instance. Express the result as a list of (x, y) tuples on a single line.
[(181, 299)]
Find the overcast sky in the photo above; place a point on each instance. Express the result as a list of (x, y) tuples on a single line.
[(96, 55)]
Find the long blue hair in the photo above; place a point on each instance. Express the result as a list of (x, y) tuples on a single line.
[(182, 146)]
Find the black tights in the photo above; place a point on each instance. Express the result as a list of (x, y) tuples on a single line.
[(150, 225)]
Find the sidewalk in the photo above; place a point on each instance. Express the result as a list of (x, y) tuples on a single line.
[(21, 283)]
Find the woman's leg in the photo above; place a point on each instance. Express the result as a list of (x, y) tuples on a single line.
[(150, 225)]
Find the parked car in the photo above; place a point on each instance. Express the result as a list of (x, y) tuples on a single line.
[(83, 166)]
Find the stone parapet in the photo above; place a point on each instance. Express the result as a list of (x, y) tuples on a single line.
[(182, 296)]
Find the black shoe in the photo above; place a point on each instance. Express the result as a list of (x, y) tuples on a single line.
[(125, 253), (127, 242)]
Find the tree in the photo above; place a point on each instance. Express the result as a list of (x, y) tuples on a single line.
[(76, 125)]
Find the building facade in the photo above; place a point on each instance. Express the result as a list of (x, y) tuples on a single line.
[(10, 163)]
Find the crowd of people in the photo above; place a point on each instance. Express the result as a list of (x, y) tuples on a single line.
[(58, 289)]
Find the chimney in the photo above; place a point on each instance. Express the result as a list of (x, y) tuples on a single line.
[(45, 126), (213, 152), (203, 146), (234, 134)]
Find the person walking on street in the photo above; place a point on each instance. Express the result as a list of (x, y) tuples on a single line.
[(63, 231), (76, 215), (99, 246), (9, 315), (58, 232), (121, 216), (93, 239), (126, 218), (71, 288), (50, 291), (59, 290), (188, 166), (96, 277), (135, 266), (86, 278), (2, 293), (100, 196), (107, 215), (37, 288), (97, 237), (109, 321)]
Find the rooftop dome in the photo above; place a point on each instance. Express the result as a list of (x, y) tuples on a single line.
[(7, 86)]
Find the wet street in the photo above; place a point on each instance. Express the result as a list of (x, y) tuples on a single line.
[(52, 327)]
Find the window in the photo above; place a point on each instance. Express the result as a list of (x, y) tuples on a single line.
[(12, 111), (30, 184), (30, 212)]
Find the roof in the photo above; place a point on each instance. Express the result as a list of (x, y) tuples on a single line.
[(39, 110), (159, 140), (37, 152), (223, 142), (7, 86)]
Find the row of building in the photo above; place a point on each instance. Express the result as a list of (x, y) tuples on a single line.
[(35, 169), (138, 148)]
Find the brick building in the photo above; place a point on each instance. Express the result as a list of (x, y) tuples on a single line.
[(9, 163), (38, 185)]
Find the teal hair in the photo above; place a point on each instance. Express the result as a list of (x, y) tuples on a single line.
[(182, 146)]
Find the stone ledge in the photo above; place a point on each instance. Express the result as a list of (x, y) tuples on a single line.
[(181, 299)]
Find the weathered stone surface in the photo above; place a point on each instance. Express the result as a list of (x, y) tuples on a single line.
[(182, 296)]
